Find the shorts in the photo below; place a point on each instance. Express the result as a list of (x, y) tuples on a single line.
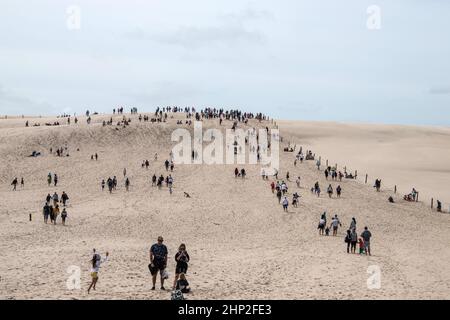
[(157, 266), (94, 275), (367, 245), (335, 228), (181, 268)]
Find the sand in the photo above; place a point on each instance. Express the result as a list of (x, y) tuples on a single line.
[(242, 245)]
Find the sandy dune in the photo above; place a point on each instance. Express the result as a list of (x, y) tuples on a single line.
[(241, 243)]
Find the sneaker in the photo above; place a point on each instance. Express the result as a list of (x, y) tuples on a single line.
[(153, 288), (162, 288)]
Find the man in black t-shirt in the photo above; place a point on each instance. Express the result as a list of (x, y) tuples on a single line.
[(158, 261)]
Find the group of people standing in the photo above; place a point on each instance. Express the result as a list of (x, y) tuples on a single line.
[(51, 207), (351, 237)]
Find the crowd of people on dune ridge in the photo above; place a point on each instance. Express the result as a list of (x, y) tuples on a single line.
[(158, 252)]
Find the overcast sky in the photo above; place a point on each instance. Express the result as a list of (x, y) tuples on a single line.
[(292, 59)]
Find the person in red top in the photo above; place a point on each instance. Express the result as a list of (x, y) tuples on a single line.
[(272, 186)]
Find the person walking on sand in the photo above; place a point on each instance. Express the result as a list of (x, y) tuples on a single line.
[(170, 183), (55, 213), (335, 223), (46, 212), (14, 184), (49, 179), (353, 224), (348, 240), (127, 184), (366, 235), (64, 198), (322, 224), (338, 191), (103, 184), (285, 204), (55, 179), (182, 259), (330, 191), (354, 240), (64, 216), (298, 182), (55, 199), (96, 262), (158, 261), (166, 164), (124, 172), (279, 194), (22, 183), (272, 186), (154, 180)]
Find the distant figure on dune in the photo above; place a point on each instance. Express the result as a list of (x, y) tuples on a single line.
[(295, 198), (348, 240), (55, 214), (321, 226), (127, 184), (338, 191), (64, 216), (298, 182), (14, 184), (285, 204), (110, 184), (377, 185), (439, 206), (49, 179), (46, 211), (330, 191), (335, 223), (354, 240), (353, 224), (96, 262), (22, 183), (366, 235), (166, 164), (55, 198), (64, 198)]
